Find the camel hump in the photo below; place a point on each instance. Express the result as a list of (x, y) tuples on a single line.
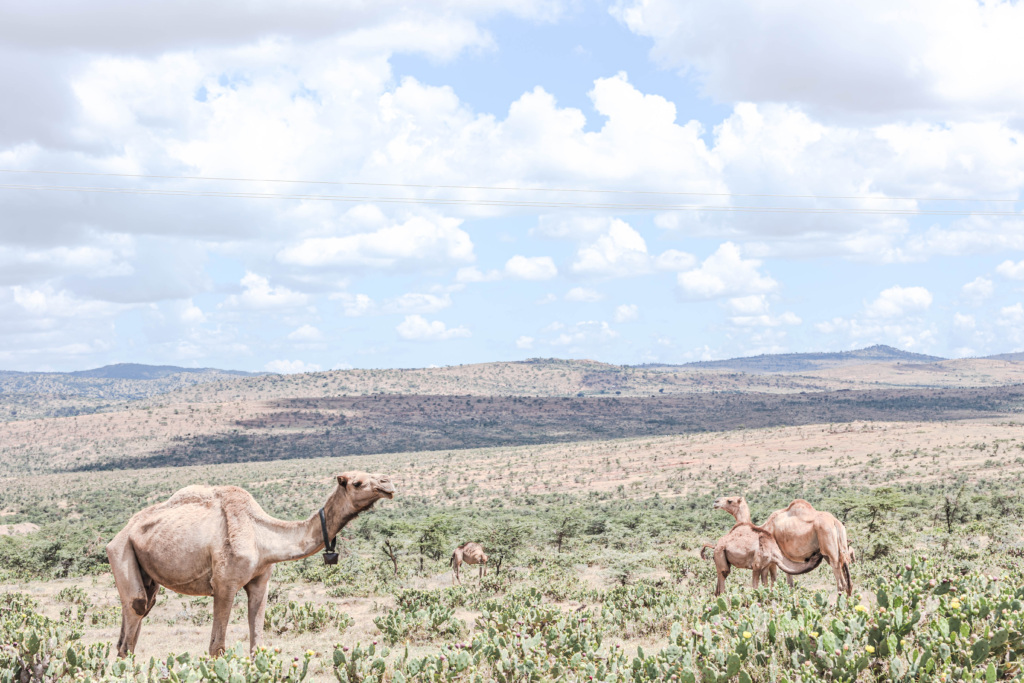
[(199, 494)]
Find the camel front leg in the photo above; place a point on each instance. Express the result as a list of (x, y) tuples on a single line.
[(131, 625), (257, 592), (455, 571), (223, 600)]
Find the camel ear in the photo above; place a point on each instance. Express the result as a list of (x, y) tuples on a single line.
[(343, 480)]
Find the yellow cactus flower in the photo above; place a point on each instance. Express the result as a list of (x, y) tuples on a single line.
[(748, 634), (870, 650)]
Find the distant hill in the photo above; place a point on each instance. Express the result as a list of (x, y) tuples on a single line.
[(55, 394), (807, 362), (140, 371), (1011, 357)]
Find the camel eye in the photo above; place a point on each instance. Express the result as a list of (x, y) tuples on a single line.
[(358, 484)]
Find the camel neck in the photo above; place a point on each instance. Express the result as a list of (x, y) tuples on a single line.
[(743, 514), (286, 541)]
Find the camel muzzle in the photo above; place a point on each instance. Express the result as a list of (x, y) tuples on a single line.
[(387, 490)]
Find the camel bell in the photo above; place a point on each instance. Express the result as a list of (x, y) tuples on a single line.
[(330, 558)]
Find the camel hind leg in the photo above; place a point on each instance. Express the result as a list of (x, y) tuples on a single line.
[(829, 541), (456, 561), (136, 591), (723, 567)]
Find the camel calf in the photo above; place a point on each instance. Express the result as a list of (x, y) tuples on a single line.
[(750, 547), (470, 553)]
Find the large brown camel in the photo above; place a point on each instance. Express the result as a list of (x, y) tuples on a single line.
[(470, 553), (801, 531), (750, 547), (215, 540)]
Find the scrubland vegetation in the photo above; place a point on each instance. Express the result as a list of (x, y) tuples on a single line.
[(594, 571)]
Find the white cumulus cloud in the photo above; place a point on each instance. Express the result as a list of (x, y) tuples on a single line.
[(290, 367), (583, 295), (531, 267), (1009, 269), (899, 301), (306, 333), (978, 289), (418, 328), (626, 313), (418, 242), (524, 342), (258, 294), (725, 273)]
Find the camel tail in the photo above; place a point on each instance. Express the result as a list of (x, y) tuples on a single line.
[(703, 548)]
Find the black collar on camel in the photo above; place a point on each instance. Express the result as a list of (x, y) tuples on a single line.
[(330, 557)]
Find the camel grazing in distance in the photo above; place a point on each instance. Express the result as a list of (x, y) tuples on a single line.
[(801, 531), (470, 553), (750, 547), (216, 540)]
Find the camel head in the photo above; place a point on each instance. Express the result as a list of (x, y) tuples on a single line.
[(731, 504), (363, 489)]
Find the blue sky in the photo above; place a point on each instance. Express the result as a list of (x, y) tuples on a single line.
[(875, 104)]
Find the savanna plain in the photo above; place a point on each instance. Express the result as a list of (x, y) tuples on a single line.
[(591, 488)]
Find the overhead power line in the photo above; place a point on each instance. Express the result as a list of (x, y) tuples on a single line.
[(510, 203), (497, 188)]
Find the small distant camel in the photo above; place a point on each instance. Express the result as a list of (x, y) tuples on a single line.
[(470, 553), (216, 540), (801, 531), (750, 547)]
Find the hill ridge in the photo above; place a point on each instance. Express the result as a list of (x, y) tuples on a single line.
[(808, 361)]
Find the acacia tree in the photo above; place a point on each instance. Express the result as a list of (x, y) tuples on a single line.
[(953, 510), (882, 502), (567, 523), (394, 535), (433, 537), (506, 542)]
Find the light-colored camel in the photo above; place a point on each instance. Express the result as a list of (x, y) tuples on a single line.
[(470, 553), (738, 508), (801, 531), (216, 540), (750, 547)]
